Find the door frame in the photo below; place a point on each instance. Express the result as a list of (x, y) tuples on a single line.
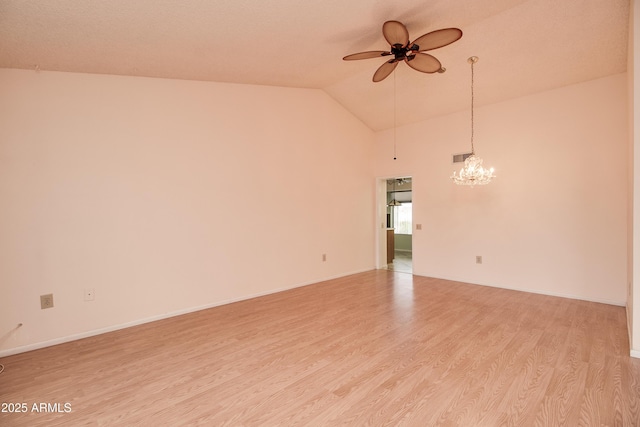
[(381, 217)]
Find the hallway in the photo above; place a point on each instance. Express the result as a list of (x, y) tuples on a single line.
[(402, 262)]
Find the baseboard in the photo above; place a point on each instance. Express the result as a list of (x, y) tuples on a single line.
[(635, 353), (94, 332), (629, 327), (532, 291)]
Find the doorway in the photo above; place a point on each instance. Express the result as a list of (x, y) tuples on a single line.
[(395, 216)]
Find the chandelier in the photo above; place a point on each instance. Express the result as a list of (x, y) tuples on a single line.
[(473, 173)]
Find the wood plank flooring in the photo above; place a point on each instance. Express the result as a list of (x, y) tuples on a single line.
[(377, 348)]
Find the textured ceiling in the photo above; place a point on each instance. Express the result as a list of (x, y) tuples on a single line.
[(524, 46)]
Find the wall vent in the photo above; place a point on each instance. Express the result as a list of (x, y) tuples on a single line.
[(459, 158)]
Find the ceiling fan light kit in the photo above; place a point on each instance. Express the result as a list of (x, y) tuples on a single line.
[(412, 53), (473, 173)]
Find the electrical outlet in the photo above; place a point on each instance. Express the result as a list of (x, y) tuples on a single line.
[(478, 259), (46, 301), (89, 294), (418, 226), (324, 257)]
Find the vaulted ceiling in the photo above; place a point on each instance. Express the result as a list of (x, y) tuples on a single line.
[(524, 46)]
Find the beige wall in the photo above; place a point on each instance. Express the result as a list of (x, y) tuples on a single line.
[(166, 196), (554, 220), (122, 185), (402, 242), (633, 70)]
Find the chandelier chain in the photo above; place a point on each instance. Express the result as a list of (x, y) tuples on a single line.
[(472, 102)]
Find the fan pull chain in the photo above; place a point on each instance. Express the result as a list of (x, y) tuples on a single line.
[(395, 125)]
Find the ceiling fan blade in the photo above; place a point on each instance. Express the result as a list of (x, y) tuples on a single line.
[(384, 70), (438, 38), (423, 62), (366, 55), (395, 33)]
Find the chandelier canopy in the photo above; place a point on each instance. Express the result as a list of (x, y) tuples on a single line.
[(473, 173)]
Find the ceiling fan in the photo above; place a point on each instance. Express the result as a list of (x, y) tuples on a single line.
[(412, 53)]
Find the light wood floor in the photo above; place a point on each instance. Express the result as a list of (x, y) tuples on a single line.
[(377, 348)]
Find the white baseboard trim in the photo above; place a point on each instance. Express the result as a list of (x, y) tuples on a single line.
[(629, 328), (635, 353), (94, 332), (533, 291)]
